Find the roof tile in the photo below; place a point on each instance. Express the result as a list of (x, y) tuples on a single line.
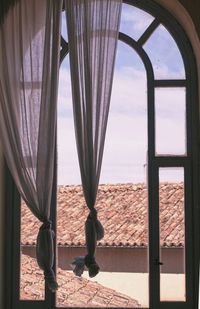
[(73, 291), (123, 211)]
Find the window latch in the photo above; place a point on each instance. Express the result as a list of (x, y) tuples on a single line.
[(158, 263)]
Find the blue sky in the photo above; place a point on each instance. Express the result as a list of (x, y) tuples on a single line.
[(126, 141)]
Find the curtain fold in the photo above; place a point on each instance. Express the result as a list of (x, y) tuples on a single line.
[(93, 27), (29, 64)]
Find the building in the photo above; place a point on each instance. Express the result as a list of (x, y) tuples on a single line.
[(123, 211)]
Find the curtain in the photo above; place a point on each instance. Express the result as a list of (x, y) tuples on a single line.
[(29, 63), (93, 34), (5, 5)]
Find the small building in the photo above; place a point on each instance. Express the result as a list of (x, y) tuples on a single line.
[(123, 211)]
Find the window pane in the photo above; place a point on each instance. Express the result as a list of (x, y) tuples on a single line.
[(134, 21), (68, 167), (31, 276), (64, 27), (172, 234), (122, 199), (164, 54), (170, 121), (126, 137)]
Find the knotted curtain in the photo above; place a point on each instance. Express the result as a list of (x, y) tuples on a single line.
[(93, 27), (29, 63)]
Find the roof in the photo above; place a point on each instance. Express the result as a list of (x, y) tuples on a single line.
[(73, 291), (122, 209)]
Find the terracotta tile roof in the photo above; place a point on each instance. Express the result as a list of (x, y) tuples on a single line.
[(122, 209), (73, 291)]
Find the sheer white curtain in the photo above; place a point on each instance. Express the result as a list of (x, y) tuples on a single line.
[(93, 34), (29, 63)]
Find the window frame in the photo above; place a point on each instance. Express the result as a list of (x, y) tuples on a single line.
[(190, 162)]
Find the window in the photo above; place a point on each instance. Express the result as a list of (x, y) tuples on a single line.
[(155, 58)]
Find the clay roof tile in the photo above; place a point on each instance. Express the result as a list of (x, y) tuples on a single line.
[(123, 211)]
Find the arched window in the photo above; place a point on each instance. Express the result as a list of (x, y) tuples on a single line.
[(152, 137)]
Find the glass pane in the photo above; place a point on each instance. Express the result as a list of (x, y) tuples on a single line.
[(68, 167), (126, 137), (64, 27), (172, 234), (31, 276), (122, 199), (164, 54), (134, 21), (123, 170), (170, 121)]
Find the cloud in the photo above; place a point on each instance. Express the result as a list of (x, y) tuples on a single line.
[(164, 54), (68, 168), (125, 150), (170, 111), (126, 132), (64, 27), (175, 174), (126, 139), (134, 21), (129, 91), (170, 103), (64, 91)]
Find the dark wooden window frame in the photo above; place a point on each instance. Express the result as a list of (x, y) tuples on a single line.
[(189, 162)]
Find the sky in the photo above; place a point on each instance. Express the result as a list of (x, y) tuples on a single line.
[(125, 150)]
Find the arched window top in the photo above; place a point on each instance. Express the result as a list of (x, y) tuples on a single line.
[(150, 32), (134, 21), (154, 32), (165, 55)]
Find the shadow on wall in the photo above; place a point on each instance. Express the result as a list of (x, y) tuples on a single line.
[(130, 260)]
